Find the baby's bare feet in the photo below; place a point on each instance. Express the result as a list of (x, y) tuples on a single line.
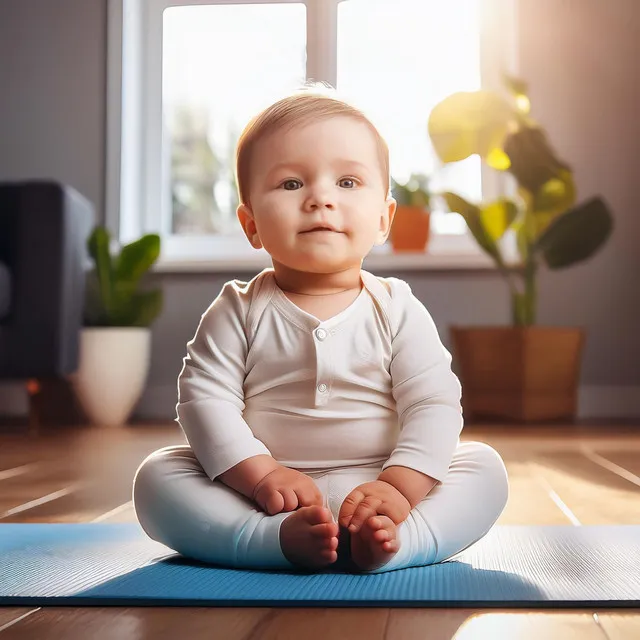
[(375, 544), (309, 538)]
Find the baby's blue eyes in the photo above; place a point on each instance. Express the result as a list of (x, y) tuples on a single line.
[(292, 185)]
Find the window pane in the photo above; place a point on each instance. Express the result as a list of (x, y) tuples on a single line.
[(221, 64), (397, 59)]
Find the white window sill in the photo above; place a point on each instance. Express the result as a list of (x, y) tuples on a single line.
[(220, 255)]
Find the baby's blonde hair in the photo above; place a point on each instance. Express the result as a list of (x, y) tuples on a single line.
[(299, 108)]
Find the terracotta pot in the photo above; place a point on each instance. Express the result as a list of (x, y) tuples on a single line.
[(410, 229), (518, 373)]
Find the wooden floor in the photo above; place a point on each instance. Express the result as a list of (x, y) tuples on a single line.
[(569, 475)]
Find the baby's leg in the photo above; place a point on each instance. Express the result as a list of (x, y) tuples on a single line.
[(455, 513), (178, 505)]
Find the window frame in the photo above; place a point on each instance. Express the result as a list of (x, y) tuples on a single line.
[(134, 136)]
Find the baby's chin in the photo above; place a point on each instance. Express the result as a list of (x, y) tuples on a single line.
[(323, 266), (320, 262)]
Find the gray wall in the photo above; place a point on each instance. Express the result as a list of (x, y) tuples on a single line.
[(52, 92), (580, 59)]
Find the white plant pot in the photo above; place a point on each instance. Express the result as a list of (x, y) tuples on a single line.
[(112, 372)]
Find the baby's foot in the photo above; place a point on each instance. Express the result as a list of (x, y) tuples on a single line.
[(375, 544), (309, 538)]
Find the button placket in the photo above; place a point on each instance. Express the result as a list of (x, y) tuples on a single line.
[(323, 371)]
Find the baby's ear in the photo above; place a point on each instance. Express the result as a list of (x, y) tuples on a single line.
[(386, 220), (245, 216)]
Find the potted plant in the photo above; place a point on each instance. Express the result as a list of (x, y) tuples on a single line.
[(523, 372), (411, 223), (115, 340)]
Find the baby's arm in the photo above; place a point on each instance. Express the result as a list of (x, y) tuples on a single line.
[(246, 475), (427, 395), (211, 387), (273, 487), (413, 485)]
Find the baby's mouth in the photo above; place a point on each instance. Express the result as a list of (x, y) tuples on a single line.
[(321, 230)]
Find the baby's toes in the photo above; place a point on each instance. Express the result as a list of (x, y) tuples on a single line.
[(391, 546), (375, 543), (330, 543), (383, 529), (376, 523), (381, 535), (326, 530)]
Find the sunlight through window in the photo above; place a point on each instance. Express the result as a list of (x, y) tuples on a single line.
[(220, 66), (397, 60)]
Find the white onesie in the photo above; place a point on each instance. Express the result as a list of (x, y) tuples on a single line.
[(339, 399)]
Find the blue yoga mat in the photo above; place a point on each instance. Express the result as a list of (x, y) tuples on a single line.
[(513, 566)]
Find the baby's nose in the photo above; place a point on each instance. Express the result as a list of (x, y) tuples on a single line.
[(320, 200)]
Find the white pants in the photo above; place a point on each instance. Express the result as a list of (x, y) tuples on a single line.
[(178, 505)]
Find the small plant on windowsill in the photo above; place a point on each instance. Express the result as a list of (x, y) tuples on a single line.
[(412, 220), (521, 372), (116, 339)]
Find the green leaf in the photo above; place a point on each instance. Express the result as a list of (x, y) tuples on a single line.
[(533, 161), (556, 195), (522, 241), (415, 193), (136, 258), (94, 314), (121, 311), (498, 216), (146, 307), (552, 199), (576, 235), (112, 295), (98, 246), (472, 216), (498, 159), (466, 123)]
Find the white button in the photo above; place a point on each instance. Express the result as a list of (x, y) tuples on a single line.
[(322, 387), (321, 334)]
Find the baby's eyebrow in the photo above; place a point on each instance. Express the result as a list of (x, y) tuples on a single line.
[(353, 163), (293, 166), (341, 164)]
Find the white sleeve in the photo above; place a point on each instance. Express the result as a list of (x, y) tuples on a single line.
[(211, 387), (426, 391)]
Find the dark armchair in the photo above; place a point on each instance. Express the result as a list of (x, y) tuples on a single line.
[(43, 232)]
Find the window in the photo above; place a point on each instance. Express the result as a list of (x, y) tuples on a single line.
[(220, 67), (185, 77)]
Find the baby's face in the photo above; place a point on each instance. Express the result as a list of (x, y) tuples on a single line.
[(317, 195)]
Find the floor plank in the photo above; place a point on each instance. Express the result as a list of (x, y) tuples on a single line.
[(529, 502), (11, 615), (552, 481), (627, 460), (621, 625), (107, 623), (593, 494), (555, 625), (122, 513), (320, 624)]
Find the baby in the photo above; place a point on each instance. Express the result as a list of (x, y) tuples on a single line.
[(319, 405)]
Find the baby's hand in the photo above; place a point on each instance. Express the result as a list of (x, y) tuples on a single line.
[(377, 498), (286, 489)]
